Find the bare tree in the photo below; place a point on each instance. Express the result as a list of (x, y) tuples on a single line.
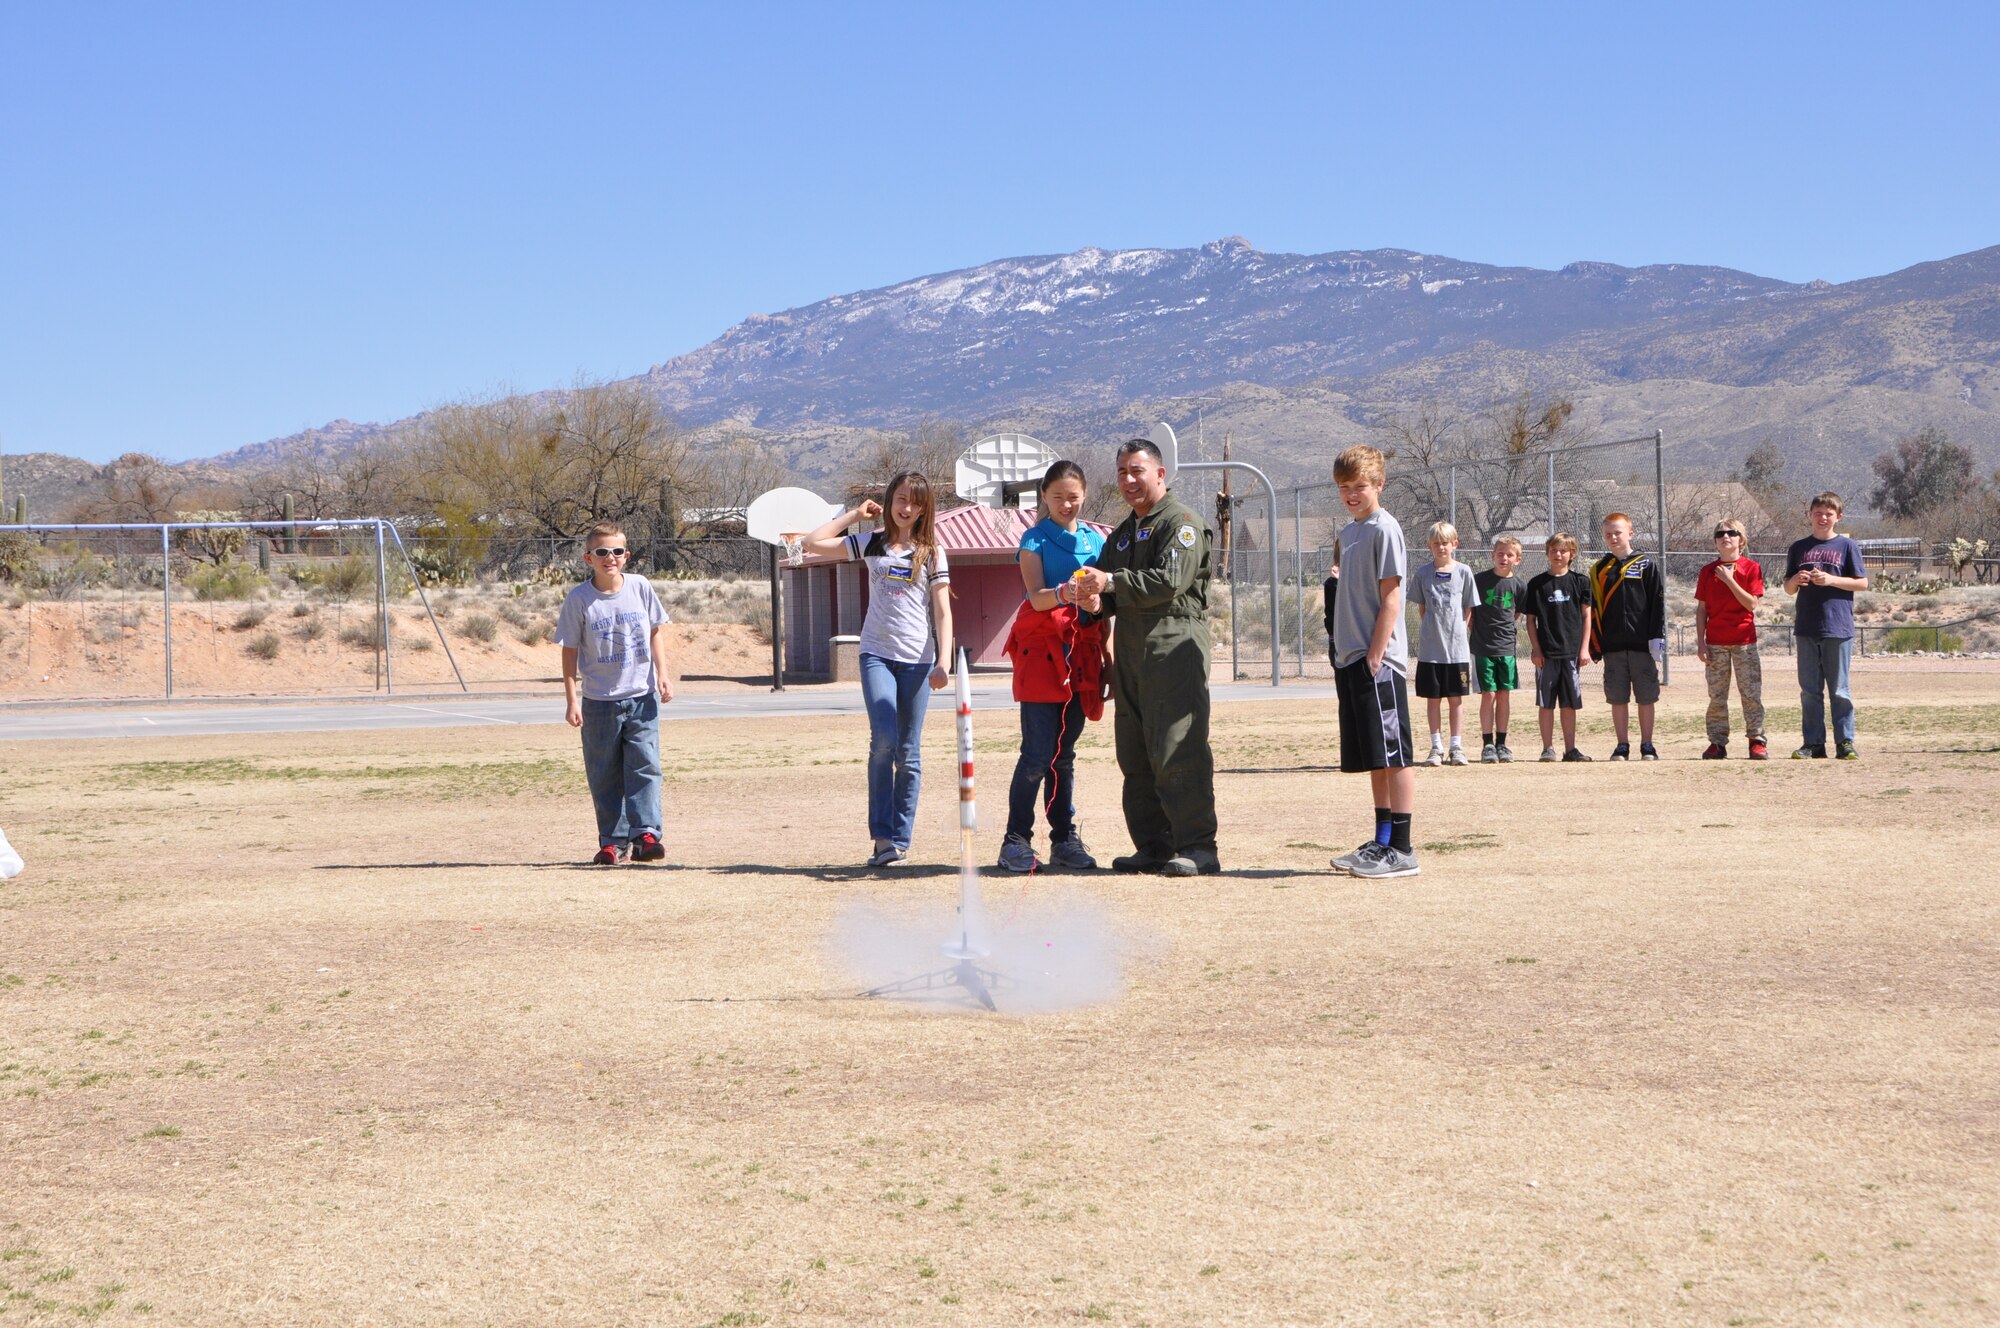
[(931, 449), (142, 488)]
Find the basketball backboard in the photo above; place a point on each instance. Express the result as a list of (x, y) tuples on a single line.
[(1003, 470), (1163, 438), (783, 516)]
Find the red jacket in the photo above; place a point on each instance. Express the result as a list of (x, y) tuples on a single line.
[(1056, 658)]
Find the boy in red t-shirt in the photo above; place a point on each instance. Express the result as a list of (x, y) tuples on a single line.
[(1725, 622)]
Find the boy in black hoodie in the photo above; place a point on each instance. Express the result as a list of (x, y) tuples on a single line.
[(1630, 596)]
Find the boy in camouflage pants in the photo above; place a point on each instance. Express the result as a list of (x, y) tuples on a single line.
[(1725, 622)]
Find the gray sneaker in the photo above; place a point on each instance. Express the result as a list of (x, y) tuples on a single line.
[(1345, 862), (1018, 855), (1069, 854), (1488, 754), (1549, 754), (887, 856), (1504, 752), (1457, 756), (1574, 755), (1388, 862), (1435, 758)]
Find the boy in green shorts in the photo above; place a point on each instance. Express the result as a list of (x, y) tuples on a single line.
[(1494, 675)]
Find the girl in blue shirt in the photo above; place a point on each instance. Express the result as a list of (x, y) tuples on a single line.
[(1051, 552)]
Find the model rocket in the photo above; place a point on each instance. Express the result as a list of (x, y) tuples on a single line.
[(971, 939)]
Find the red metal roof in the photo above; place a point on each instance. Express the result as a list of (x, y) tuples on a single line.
[(977, 530)]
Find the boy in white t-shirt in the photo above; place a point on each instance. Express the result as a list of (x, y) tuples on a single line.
[(1445, 599), (611, 630)]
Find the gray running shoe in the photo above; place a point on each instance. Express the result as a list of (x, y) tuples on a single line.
[(1488, 754), (1813, 751), (1345, 862), (1071, 855), (887, 856), (1504, 752), (1549, 754), (1844, 751), (1018, 855), (1574, 755), (1457, 756), (1388, 862), (1435, 758)]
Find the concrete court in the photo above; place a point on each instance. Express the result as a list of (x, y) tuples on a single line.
[(321, 716)]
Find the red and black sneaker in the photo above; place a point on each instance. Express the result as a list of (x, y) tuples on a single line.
[(1758, 751), (648, 848), (1716, 752), (610, 855)]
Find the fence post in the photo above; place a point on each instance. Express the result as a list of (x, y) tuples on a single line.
[(167, 605), (382, 612), (1299, 563), (1550, 458), (778, 622), (1660, 513), (1451, 485)]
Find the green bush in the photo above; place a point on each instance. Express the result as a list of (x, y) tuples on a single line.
[(1911, 640), (337, 578), (226, 581)]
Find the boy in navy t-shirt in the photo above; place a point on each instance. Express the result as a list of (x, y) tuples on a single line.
[(1824, 570)]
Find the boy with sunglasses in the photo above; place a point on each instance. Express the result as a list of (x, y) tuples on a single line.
[(610, 630), (1725, 623)]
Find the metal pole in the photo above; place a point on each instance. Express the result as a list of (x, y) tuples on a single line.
[(777, 623), (1451, 481), (1299, 564), (167, 605), (1550, 457), (1660, 511), (382, 611), (418, 582), (1235, 668)]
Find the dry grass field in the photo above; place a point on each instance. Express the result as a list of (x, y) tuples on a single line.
[(333, 1030)]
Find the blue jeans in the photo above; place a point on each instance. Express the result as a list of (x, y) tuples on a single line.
[(1048, 760), (1823, 664), (621, 759), (897, 696)]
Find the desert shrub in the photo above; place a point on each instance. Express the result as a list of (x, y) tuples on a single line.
[(312, 629), (366, 633), (442, 565), (105, 631), (252, 616), (338, 578), (421, 644), (225, 581), (535, 633), (303, 610), (264, 645), (480, 627), (514, 614), (131, 617), (18, 556)]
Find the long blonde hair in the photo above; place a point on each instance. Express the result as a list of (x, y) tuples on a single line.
[(922, 533)]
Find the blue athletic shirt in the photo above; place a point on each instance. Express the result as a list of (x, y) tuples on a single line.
[(1062, 552)]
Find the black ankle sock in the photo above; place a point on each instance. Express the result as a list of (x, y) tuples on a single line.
[(1502, 738), (1399, 831), (1381, 825)]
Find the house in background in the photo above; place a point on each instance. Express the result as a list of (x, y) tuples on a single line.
[(826, 598)]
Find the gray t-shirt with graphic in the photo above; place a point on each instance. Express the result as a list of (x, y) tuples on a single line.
[(612, 634), (898, 625), (1447, 594), (1371, 551)]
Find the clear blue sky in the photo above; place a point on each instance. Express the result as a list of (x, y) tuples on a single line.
[(219, 224)]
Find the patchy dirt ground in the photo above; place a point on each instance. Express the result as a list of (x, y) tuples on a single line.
[(305, 1030)]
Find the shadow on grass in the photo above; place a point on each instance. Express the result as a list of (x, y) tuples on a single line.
[(1282, 770), (832, 875)]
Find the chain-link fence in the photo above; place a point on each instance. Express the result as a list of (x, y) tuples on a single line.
[(220, 609)]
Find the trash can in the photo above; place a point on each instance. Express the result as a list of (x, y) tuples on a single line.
[(845, 654)]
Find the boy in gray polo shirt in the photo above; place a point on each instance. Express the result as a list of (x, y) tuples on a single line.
[(1445, 601), (610, 631)]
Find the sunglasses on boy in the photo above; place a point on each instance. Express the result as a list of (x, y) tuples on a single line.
[(1721, 531), (607, 553)]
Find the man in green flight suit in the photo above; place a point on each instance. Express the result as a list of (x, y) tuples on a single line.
[(1153, 576)]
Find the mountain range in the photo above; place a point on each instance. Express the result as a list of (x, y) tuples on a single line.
[(1301, 354)]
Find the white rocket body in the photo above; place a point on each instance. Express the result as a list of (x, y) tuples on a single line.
[(968, 813), (971, 939), (10, 861)]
